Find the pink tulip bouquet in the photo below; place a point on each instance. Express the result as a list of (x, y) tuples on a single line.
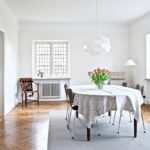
[(99, 76)]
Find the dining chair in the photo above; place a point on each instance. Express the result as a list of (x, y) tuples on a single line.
[(125, 84), (70, 97), (68, 111), (28, 90), (137, 86), (65, 88), (141, 88), (142, 91)]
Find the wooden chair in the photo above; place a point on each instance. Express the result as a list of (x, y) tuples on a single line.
[(27, 90)]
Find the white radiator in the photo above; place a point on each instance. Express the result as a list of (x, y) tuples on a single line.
[(50, 90), (117, 78)]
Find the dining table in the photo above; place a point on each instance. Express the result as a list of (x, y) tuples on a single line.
[(92, 102)]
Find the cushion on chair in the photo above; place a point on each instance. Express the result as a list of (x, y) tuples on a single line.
[(27, 86), (75, 107)]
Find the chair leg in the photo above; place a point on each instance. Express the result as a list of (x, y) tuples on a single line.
[(109, 113), (67, 111), (114, 118), (25, 99), (143, 123), (69, 118), (130, 116), (110, 117), (73, 126), (119, 121), (77, 114), (37, 98), (97, 122), (22, 100)]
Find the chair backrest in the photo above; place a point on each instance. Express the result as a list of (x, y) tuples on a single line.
[(125, 84), (141, 88), (65, 87), (142, 91), (70, 95), (26, 84), (138, 87)]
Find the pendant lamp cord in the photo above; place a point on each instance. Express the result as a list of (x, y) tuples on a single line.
[(96, 17)]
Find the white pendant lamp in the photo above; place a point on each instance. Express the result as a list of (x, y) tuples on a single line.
[(97, 43)]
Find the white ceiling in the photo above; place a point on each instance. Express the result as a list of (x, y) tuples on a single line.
[(80, 11)]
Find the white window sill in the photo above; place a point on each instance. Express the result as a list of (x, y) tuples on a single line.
[(52, 78)]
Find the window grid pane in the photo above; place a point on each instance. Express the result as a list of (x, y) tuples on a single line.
[(43, 58), (51, 58), (59, 59)]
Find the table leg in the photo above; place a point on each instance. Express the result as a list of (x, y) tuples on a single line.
[(109, 113), (88, 134), (135, 128), (77, 114)]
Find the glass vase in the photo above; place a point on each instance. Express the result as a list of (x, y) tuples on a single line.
[(100, 84)]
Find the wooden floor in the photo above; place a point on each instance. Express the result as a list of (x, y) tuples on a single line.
[(27, 129)]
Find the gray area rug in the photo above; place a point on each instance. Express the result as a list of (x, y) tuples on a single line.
[(59, 137)]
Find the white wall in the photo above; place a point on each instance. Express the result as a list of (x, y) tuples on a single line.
[(80, 61), (9, 26), (138, 53), (138, 33)]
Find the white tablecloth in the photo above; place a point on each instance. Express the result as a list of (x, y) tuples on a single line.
[(93, 102)]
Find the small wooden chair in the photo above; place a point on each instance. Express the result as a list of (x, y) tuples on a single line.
[(27, 89)]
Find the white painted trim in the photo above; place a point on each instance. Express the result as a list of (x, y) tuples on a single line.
[(47, 26)]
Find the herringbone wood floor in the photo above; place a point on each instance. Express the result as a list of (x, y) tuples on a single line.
[(27, 129)]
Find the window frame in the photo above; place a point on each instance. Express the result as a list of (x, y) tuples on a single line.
[(34, 55)]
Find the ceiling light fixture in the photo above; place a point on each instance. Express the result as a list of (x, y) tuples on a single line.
[(97, 43)]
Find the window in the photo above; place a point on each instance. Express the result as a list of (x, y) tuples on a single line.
[(148, 55), (51, 58)]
